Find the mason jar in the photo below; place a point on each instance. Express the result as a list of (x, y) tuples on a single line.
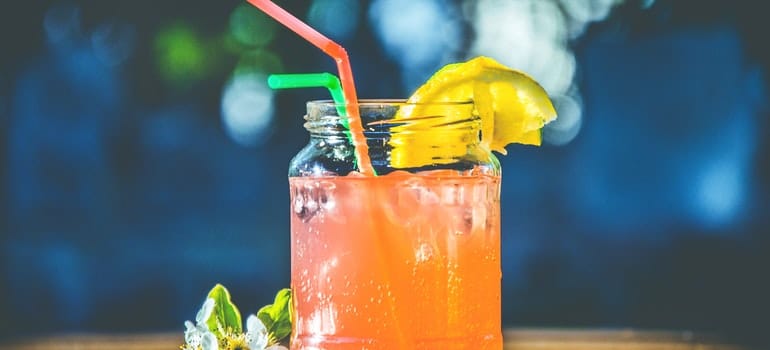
[(408, 258)]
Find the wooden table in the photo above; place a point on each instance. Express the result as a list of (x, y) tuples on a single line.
[(517, 339)]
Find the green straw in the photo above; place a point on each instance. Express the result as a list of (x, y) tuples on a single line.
[(306, 80), (327, 80)]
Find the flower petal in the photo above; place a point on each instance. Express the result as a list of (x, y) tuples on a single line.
[(192, 335), (205, 311), (255, 325), (256, 333), (209, 342)]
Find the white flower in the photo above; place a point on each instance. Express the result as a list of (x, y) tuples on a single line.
[(256, 335), (198, 334), (209, 342)]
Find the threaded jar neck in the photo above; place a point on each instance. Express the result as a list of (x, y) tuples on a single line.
[(386, 119), (399, 136)]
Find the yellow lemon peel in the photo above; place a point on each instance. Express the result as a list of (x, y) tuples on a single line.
[(512, 108)]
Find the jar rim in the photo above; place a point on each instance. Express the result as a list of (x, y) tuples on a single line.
[(389, 102)]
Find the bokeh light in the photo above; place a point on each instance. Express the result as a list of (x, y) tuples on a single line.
[(247, 109), (530, 35), (337, 19), (258, 61), (113, 43), (180, 54), (567, 126), (722, 183), (721, 192), (534, 36), (647, 3), (247, 101), (250, 27), (420, 35), (62, 23)]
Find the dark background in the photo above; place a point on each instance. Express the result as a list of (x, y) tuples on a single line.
[(142, 160)]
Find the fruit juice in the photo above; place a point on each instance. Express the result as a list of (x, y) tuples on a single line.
[(400, 261)]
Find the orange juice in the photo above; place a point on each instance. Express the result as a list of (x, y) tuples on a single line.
[(401, 261)]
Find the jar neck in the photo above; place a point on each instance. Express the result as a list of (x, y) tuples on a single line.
[(396, 121)]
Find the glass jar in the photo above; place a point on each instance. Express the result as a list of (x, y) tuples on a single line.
[(409, 258)]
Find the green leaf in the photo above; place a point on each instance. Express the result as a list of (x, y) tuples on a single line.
[(226, 317), (277, 316)]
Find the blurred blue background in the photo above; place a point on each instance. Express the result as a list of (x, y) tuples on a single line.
[(143, 159)]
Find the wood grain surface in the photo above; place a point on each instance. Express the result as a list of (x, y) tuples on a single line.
[(517, 339)]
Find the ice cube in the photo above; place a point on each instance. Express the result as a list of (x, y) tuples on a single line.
[(423, 253), (312, 198)]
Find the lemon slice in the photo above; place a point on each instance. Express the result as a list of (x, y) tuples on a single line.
[(512, 107)]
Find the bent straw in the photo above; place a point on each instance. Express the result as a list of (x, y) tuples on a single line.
[(307, 80), (340, 56)]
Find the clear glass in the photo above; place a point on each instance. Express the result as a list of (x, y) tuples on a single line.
[(408, 259)]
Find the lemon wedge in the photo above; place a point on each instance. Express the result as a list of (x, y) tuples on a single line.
[(512, 107)]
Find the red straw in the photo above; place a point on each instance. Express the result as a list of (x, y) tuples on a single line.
[(343, 66)]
